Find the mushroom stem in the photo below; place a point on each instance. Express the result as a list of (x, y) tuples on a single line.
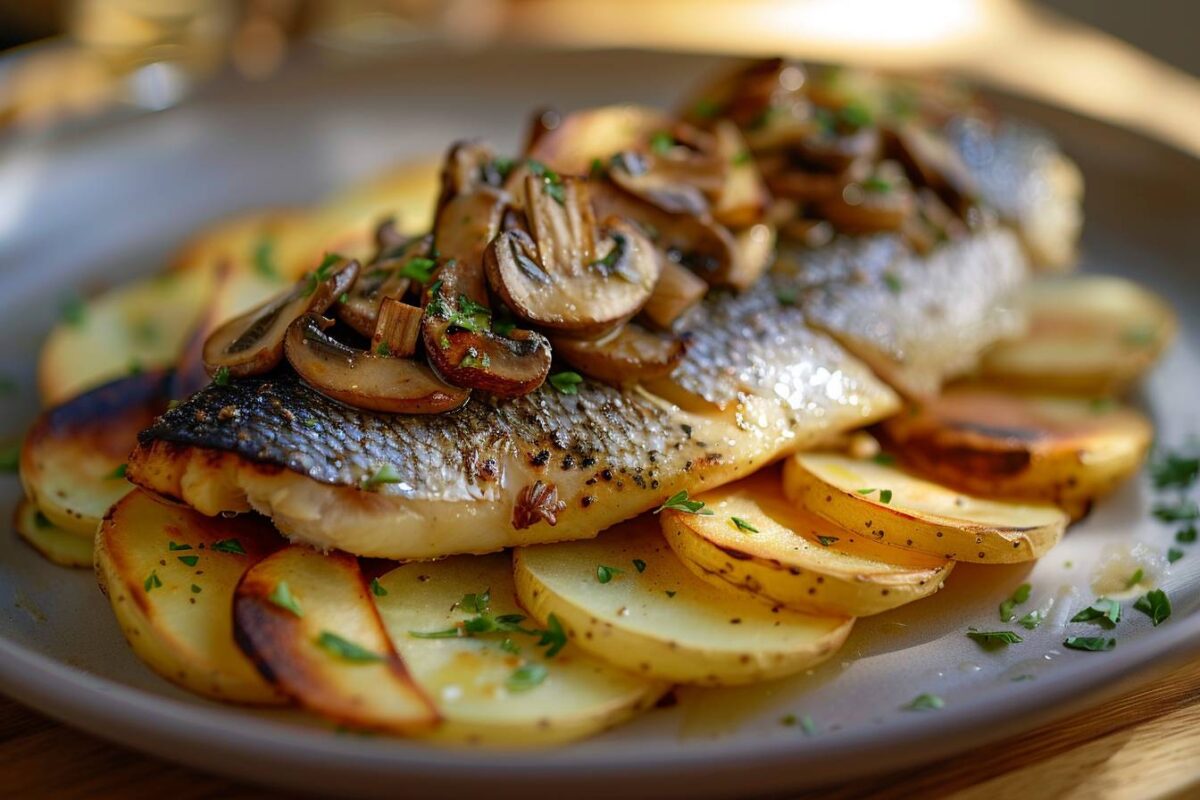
[(398, 329), (677, 290)]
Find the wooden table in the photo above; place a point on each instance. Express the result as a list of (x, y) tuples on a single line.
[(1143, 745)]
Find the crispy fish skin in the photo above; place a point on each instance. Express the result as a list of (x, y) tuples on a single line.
[(541, 468)]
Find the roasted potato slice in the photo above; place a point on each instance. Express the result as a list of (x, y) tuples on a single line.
[(498, 688), (625, 598), (72, 459), (1064, 451), (1088, 334), (757, 542), (170, 575), (141, 325), (307, 620), (900, 509), (65, 548)]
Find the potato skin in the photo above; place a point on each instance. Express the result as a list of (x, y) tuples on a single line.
[(1063, 451)]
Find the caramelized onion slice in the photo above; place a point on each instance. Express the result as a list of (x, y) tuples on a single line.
[(463, 349), (630, 355), (362, 379), (252, 343)]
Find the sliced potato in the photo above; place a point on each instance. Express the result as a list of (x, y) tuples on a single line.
[(71, 460), (900, 509), (1088, 334), (141, 325), (170, 575), (1059, 450), (307, 620), (759, 543), (480, 684), (655, 618), (62, 547)]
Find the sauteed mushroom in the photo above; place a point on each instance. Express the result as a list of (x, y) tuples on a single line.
[(570, 274), (572, 143), (462, 347), (630, 355), (881, 201), (409, 263), (252, 343), (362, 379), (469, 213)]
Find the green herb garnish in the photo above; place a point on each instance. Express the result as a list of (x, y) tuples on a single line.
[(566, 382), (190, 561), (383, 349), (229, 546), (1135, 578), (893, 282), (264, 258), (73, 310), (877, 185), (1093, 644), (117, 473), (172, 546), (1182, 511), (1186, 535), (221, 376), (1174, 471), (885, 496), (1104, 611), (993, 640), (742, 525), (384, 474), (345, 649), (662, 142), (1154, 604), (152, 581), (196, 589), (1031, 620), (1173, 555), (639, 565), (526, 677), (1019, 595), (604, 574), (377, 588), (828, 540), (282, 596), (418, 269), (509, 646), (680, 502), (926, 702)]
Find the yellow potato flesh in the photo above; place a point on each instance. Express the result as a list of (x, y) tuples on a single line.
[(918, 514), (794, 558), (664, 622), (62, 547), (476, 683)]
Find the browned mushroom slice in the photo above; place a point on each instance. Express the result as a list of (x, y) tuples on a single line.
[(643, 177), (398, 330), (391, 277), (462, 231), (253, 343), (470, 165), (838, 139), (931, 161), (696, 242), (389, 241), (755, 252), (742, 198), (570, 274), (463, 349), (883, 201), (577, 140), (362, 379), (630, 355), (677, 290)]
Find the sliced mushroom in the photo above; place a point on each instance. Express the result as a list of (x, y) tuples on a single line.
[(931, 161), (252, 343), (834, 145), (755, 252), (389, 241), (630, 355), (570, 144), (392, 277), (398, 330), (742, 199), (569, 274), (462, 347), (657, 182), (362, 379), (677, 290), (883, 201), (463, 229)]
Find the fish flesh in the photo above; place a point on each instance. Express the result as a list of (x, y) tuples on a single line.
[(826, 343)]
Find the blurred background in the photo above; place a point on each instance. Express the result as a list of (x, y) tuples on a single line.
[(1130, 63)]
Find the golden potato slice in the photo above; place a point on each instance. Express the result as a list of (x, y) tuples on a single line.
[(900, 509), (72, 459), (307, 620), (1064, 451), (141, 325), (759, 543), (625, 598), (1088, 334), (170, 574), (498, 688), (62, 547)]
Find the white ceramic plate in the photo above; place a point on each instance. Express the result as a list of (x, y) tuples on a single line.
[(99, 206)]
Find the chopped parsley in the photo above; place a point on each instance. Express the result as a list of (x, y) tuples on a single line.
[(221, 376), (1174, 471), (1093, 644), (1154, 604), (566, 382), (418, 269), (383, 349), (1104, 611), (345, 649), (742, 158), (282, 596), (1182, 511), (786, 296), (196, 589), (828, 540), (604, 574), (119, 472), (172, 546), (377, 588), (1173, 555), (856, 115), (662, 142), (680, 502), (384, 474), (190, 561), (877, 185), (229, 546), (864, 491), (553, 637), (152, 581), (884, 459), (639, 565), (478, 603), (885, 496), (993, 640), (526, 677), (926, 702), (42, 521), (742, 525), (808, 726), (551, 179), (893, 282), (1019, 596), (1186, 535), (1135, 578), (509, 646), (670, 592), (1031, 620), (264, 258), (73, 310)]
